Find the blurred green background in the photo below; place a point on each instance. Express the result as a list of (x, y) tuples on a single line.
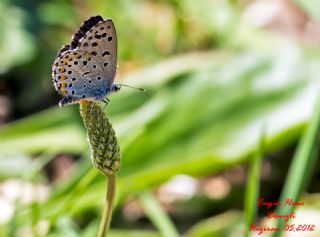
[(218, 74)]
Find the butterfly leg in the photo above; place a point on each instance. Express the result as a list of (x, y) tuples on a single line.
[(106, 101)]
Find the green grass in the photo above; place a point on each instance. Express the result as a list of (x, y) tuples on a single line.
[(157, 215), (252, 192), (210, 81), (301, 168)]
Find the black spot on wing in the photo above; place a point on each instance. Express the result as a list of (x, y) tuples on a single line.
[(105, 53)]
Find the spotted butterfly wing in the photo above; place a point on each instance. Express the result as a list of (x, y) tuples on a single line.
[(101, 42), (86, 68), (79, 76)]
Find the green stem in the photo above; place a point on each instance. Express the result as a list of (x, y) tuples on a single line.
[(107, 212)]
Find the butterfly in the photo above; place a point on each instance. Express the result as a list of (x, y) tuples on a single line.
[(86, 68)]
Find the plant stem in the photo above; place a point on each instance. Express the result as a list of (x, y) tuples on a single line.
[(107, 212)]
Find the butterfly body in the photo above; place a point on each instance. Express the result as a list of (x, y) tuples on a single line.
[(86, 68)]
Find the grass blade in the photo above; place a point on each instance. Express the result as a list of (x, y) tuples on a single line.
[(158, 216), (253, 184), (301, 167)]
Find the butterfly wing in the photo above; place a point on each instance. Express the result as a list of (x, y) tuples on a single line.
[(86, 68), (84, 28), (101, 42), (78, 74)]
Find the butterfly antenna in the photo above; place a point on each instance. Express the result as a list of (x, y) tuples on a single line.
[(141, 89)]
